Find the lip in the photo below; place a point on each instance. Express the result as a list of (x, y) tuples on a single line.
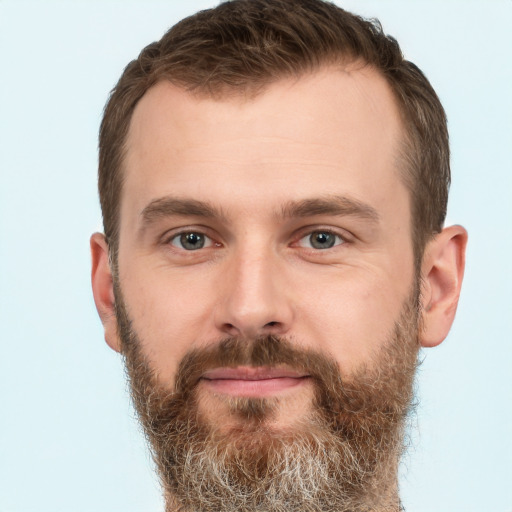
[(252, 381)]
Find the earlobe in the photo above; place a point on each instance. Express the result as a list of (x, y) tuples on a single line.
[(103, 289), (442, 272)]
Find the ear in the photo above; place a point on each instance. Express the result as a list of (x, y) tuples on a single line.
[(103, 289), (442, 271)]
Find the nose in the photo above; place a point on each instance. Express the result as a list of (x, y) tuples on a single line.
[(255, 298)]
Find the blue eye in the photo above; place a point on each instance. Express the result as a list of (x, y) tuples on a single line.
[(191, 241), (321, 240)]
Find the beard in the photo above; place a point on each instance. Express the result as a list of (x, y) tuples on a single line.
[(342, 456)]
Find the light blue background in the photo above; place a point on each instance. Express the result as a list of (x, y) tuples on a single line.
[(68, 441)]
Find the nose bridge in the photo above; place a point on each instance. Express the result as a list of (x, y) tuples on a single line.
[(255, 300)]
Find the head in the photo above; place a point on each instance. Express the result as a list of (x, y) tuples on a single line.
[(273, 178)]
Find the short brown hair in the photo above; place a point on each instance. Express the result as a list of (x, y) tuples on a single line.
[(243, 45)]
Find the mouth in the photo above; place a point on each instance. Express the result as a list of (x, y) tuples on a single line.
[(254, 382)]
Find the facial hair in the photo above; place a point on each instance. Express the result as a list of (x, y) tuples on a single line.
[(343, 456)]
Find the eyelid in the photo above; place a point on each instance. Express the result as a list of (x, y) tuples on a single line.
[(346, 236), (171, 234), (175, 241)]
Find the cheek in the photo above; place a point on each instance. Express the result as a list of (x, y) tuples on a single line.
[(352, 314), (169, 315)]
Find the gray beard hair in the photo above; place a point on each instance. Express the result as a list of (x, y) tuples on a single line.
[(306, 472), (343, 457)]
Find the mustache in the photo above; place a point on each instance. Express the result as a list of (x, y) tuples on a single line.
[(335, 395), (266, 351), (339, 398)]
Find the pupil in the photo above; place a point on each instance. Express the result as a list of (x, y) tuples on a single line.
[(192, 241), (322, 240)]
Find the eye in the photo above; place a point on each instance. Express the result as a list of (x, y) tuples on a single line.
[(321, 240), (191, 241)]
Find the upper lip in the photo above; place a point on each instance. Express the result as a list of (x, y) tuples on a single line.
[(251, 373)]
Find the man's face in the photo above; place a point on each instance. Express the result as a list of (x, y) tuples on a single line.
[(276, 217), (282, 215)]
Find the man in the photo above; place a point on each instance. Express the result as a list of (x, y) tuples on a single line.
[(273, 178)]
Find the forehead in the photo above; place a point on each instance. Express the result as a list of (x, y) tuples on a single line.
[(335, 128)]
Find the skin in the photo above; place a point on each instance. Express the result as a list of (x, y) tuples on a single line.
[(332, 134)]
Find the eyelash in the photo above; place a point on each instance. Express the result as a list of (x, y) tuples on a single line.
[(184, 232), (339, 239)]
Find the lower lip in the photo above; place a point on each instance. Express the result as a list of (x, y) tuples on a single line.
[(254, 388)]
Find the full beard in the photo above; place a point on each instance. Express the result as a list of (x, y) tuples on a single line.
[(342, 456)]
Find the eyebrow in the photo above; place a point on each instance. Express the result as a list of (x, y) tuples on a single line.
[(170, 206), (330, 205)]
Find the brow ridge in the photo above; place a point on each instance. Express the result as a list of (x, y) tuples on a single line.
[(329, 205), (169, 206)]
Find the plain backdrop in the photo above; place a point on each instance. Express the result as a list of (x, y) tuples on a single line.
[(68, 437)]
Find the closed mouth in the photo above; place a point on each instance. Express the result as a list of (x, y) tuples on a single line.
[(252, 381)]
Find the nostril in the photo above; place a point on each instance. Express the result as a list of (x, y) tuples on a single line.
[(231, 329)]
